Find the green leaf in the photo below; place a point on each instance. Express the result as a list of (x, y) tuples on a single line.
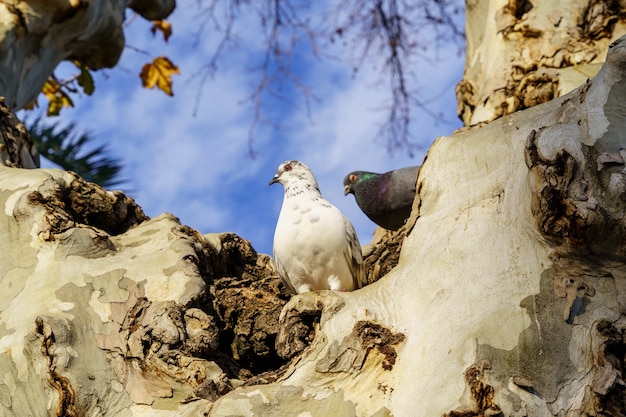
[(85, 80)]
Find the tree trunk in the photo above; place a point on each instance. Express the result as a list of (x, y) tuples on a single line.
[(508, 298), (521, 53), (89, 31), (510, 293), (16, 147)]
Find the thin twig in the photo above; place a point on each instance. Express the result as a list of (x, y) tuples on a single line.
[(397, 33)]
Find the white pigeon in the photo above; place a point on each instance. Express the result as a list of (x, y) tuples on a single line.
[(315, 245)]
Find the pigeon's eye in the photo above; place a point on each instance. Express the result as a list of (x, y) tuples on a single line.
[(287, 167), (352, 178)]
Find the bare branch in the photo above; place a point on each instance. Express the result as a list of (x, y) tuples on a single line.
[(228, 39), (400, 34)]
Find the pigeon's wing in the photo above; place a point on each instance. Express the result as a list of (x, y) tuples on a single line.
[(402, 191), (354, 256), (284, 277)]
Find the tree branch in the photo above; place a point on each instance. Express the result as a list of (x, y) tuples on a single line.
[(401, 32)]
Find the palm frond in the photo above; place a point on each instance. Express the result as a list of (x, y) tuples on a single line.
[(74, 150)]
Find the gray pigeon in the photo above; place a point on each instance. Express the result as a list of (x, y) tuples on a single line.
[(315, 245), (385, 198)]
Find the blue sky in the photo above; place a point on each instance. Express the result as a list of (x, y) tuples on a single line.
[(199, 168)]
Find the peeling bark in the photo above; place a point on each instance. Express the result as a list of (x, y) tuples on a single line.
[(383, 253), (524, 53), (177, 316), (247, 297), (16, 148), (482, 393), (299, 322), (576, 203), (512, 270), (80, 202), (66, 397), (507, 298)]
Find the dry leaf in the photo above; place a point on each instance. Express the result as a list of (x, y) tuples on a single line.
[(163, 26), (159, 73), (57, 98)]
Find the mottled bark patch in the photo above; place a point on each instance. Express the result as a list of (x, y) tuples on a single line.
[(609, 390), (66, 401), (599, 17), (573, 280), (575, 203), (383, 253), (300, 319), (247, 296), (482, 394), (161, 345), (16, 147), (86, 204), (297, 331), (220, 339), (579, 204), (350, 355), (90, 204), (375, 336)]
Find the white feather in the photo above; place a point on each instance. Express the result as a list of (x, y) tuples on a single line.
[(315, 245)]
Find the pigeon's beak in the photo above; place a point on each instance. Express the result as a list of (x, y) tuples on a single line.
[(346, 189), (274, 180)]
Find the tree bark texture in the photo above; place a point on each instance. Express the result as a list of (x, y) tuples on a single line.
[(89, 31), (508, 299), (509, 296), (16, 147), (521, 53), (106, 312)]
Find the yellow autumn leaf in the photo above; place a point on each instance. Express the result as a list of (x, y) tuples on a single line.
[(159, 74), (162, 26), (50, 88), (57, 98)]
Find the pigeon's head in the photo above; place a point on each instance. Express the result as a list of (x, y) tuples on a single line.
[(354, 178), (293, 170)]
